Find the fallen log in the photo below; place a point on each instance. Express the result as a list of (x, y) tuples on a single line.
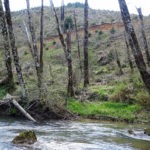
[(11, 99)]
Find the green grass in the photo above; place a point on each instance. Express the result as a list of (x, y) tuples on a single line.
[(118, 111)]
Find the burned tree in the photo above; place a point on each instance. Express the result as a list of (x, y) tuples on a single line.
[(62, 12), (14, 48), (134, 44), (118, 62), (70, 70), (28, 38), (139, 10), (78, 42), (34, 45), (86, 63), (8, 60), (128, 54), (41, 37), (67, 50)]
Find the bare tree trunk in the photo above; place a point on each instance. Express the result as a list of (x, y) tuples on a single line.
[(14, 48), (35, 50), (134, 44), (128, 54), (78, 43), (62, 13), (8, 60), (41, 37), (144, 36), (60, 34), (118, 62), (67, 51), (86, 63), (70, 70), (28, 38)]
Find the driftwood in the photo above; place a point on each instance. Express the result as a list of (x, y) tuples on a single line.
[(11, 99)]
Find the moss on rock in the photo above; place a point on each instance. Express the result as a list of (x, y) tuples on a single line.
[(147, 131), (27, 137)]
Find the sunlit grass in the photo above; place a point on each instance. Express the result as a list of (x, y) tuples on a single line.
[(120, 111)]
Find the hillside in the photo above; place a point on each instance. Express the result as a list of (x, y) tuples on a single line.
[(106, 83), (96, 17)]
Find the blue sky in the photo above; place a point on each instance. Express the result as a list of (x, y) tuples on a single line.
[(96, 4)]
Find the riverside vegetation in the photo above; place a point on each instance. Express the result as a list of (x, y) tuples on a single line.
[(111, 94)]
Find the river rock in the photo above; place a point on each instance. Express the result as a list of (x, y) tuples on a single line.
[(27, 137), (147, 131), (131, 132)]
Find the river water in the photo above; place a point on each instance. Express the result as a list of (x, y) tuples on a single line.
[(75, 135)]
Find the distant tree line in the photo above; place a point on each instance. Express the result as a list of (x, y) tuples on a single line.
[(76, 5)]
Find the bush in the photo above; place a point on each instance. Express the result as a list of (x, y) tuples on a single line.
[(112, 20), (54, 42), (68, 22), (112, 30), (100, 33), (90, 35), (96, 31), (25, 53), (102, 22), (123, 94), (143, 98)]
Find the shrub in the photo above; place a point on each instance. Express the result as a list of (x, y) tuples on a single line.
[(110, 56), (94, 24), (96, 31), (112, 30), (123, 94), (54, 42), (100, 33), (25, 53), (112, 20), (143, 98), (102, 22), (90, 35), (68, 22)]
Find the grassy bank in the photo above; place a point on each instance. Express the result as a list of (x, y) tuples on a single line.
[(108, 111)]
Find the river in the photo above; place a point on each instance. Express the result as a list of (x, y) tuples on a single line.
[(75, 135)]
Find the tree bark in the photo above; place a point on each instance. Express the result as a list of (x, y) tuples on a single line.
[(41, 37), (60, 34), (134, 44), (8, 60), (128, 54), (28, 38), (86, 63), (62, 12), (67, 51), (70, 70), (14, 48), (144, 36), (35, 50), (78, 43), (118, 62)]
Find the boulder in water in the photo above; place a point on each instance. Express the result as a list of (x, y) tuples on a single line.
[(147, 131), (27, 137), (131, 132)]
